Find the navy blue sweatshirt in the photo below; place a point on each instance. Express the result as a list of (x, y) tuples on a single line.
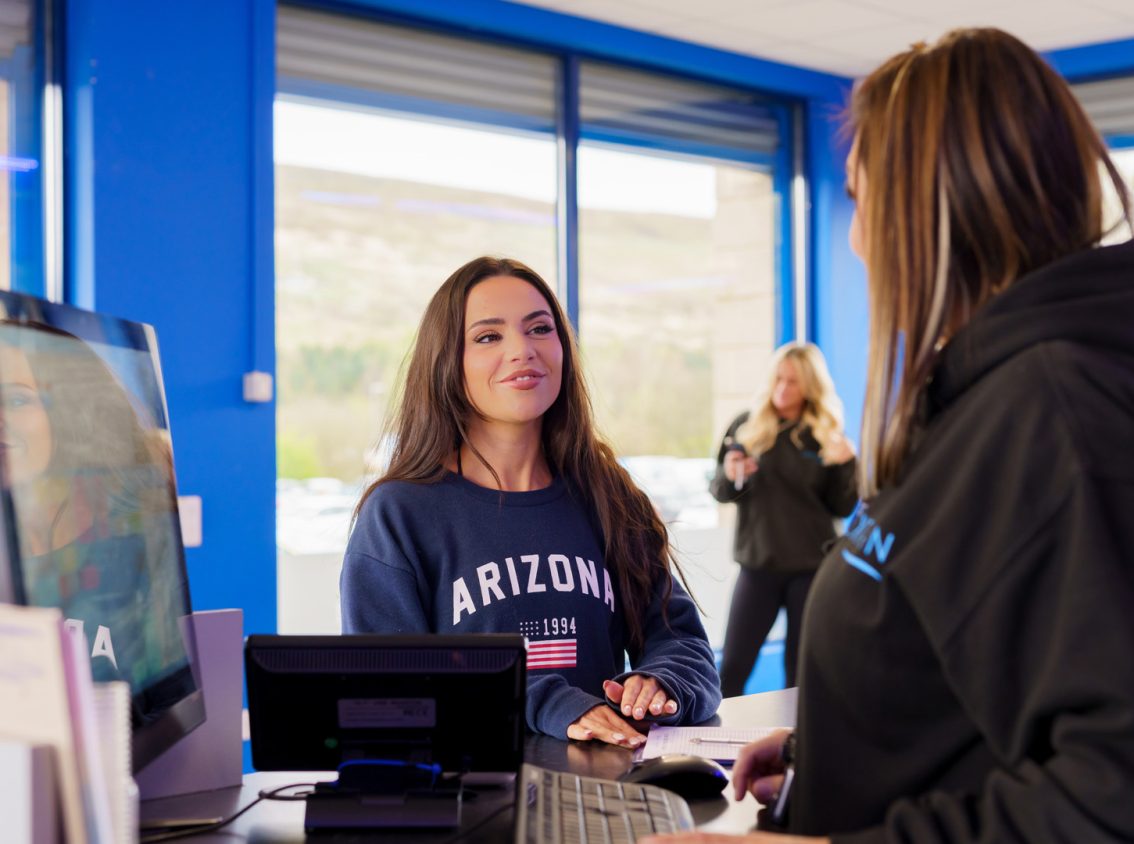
[(454, 557)]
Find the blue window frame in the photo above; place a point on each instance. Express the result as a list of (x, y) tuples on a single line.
[(26, 174)]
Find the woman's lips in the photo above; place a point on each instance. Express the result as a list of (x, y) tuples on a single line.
[(525, 379)]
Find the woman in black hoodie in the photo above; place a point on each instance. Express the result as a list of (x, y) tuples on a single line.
[(789, 469), (966, 670)]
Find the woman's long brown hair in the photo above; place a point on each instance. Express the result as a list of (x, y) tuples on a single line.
[(430, 423), (980, 166)]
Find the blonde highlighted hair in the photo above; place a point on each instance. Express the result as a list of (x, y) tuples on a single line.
[(822, 409), (979, 166)]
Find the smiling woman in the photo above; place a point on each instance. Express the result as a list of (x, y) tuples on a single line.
[(513, 356), (503, 511)]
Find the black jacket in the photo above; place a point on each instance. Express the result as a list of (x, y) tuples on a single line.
[(967, 666), (785, 511)]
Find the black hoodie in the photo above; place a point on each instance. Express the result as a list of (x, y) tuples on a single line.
[(785, 512), (968, 648)]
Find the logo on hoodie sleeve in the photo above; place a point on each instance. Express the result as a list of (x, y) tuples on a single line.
[(867, 546)]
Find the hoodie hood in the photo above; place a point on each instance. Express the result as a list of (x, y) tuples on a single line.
[(1085, 298)]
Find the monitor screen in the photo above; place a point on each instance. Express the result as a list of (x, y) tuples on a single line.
[(316, 702), (90, 505)]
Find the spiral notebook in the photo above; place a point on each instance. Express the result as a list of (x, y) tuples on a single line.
[(720, 743)]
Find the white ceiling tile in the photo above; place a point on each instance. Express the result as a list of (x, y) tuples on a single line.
[(806, 55), (880, 41), (1124, 8), (726, 12), (849, 67), (711, 34), (851, 37), (810, 18), (634, 17), (928, 8), (1038, 15)]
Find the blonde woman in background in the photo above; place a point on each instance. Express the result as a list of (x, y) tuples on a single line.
[(790, 471)]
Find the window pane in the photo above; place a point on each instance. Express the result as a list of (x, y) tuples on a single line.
[(1124, 161), (677, 261), (373, 212), (21, 171)]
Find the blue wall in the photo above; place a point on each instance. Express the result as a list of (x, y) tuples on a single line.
[(1115, 58), (169, 213), (838, 316), (166, 144)]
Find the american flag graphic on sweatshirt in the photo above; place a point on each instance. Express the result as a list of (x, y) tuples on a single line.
[(552, 653)]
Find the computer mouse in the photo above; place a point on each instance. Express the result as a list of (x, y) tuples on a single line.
[(692, 777)]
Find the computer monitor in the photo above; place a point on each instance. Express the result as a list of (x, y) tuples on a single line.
[(316, 703), (88, 505)]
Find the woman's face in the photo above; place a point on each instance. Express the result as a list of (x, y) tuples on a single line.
[(513, 360), (856, 190), (787, 394), (25, 430)]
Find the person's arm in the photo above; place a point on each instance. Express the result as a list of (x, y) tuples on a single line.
[(841, 492), (678, 656), (380, 589), (376, 597), (720, 487), (553, 704), (1042, 665), (758, 771)]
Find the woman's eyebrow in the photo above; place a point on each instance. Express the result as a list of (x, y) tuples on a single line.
[(500, 321)]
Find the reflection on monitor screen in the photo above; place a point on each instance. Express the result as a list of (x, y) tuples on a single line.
[(88, 490)]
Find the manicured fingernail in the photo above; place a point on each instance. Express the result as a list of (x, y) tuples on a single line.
[(639, 712), (655, 708), (618, 737), (626, 709), (636, 741), (671, 706)]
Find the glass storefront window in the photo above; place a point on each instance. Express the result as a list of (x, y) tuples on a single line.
[(677, 319), (373, 212)]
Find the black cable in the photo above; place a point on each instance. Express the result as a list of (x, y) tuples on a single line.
[(265, 794), (274, 794)]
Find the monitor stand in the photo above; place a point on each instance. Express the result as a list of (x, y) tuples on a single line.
[(374, 795), (211, 756)]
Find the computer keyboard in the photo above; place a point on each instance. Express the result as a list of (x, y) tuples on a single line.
[(554, 807)]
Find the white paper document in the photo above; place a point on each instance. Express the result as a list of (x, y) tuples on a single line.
[(720, 743), (35, 705)]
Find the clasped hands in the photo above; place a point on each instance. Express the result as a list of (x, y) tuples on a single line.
[(637, 698)]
